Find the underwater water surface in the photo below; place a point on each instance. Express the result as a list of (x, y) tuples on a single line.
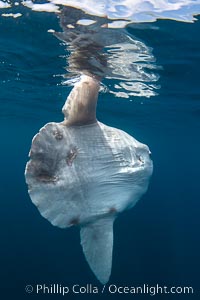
[(158, 241)]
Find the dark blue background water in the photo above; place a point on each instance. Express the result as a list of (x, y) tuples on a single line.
[(156, 242)]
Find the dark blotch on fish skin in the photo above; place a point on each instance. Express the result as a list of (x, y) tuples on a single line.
[(58, 135), (112, 210), (74, 221), (42, 170), (46, 178), (71, 155), (140, 159)]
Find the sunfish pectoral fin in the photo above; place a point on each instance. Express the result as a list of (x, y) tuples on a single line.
[(97, 243)]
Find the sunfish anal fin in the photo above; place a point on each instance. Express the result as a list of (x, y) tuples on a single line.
[(97, 243)]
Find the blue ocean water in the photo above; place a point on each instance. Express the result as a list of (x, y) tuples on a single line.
[(158, 241)]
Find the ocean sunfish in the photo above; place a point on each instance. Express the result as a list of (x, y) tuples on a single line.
[(83, 172)]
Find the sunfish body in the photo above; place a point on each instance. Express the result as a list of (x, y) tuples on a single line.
[(82, 172)]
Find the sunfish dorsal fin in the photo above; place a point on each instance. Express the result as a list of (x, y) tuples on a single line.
[(97, 243), (80, 106)]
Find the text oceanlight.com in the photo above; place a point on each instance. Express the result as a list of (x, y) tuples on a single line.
[(63, 290)]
